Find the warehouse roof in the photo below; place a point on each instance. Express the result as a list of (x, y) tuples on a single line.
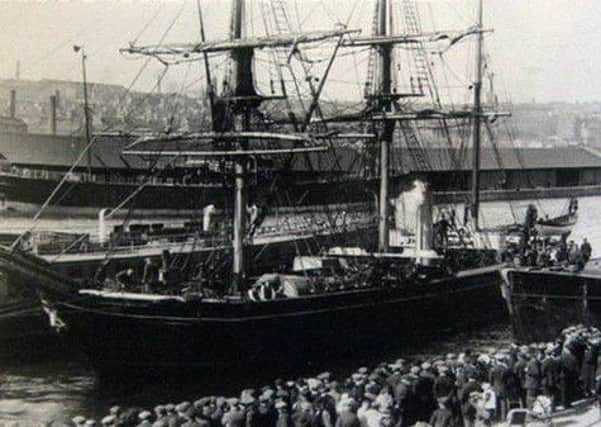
[(441, 159)]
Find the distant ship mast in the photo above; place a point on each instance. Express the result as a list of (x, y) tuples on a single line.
[(477, 119)]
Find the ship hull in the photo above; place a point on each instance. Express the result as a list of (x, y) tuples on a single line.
[(119, 335), (541, 302), (23, 196), (116, 337)]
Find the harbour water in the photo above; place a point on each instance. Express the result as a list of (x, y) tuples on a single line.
[(37, 389)]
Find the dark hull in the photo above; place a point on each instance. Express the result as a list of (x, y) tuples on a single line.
[(118, 335), (21, 314), (542, 303), (26, 195)]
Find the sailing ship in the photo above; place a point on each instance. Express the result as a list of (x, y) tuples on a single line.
[(327, 304)]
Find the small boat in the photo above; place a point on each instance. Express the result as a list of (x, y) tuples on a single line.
[(561, 225)]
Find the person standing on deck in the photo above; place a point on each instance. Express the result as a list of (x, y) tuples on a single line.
[(150, 276), (586, 250), (127, 280)]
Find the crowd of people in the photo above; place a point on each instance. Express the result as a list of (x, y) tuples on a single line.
[(528, 248), (542, 253), (469, 389)]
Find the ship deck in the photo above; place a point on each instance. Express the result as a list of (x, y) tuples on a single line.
[(592, 270)]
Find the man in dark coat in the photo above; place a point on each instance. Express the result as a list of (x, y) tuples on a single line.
[(423, 391), (497, 375), (568, 377), (532, 383), (444, 386), (586, 250), (551, 370), (265, 416), (467, 409), (519, 369), (589, 367), (442, 417)]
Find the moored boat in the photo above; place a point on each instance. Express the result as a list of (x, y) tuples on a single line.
[(542, 302), (120, 330), (561, 225)]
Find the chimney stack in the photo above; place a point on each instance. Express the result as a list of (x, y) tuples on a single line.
[(13, 103), (53, 114)]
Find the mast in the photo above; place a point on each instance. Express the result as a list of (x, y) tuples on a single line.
[(242, 88), (476, 134), (384, 98), (86, 110), (207, 67)]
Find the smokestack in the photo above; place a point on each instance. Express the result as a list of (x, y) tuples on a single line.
[(13, 103), (423, 232), (102, 233), (57, 95), (53, 114), (18, 71)]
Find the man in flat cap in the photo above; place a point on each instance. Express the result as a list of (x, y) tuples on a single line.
[(79, 421), (145, 419)]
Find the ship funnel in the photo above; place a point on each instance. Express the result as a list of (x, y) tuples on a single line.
[(102, 234), (423, 217), (406, 207)]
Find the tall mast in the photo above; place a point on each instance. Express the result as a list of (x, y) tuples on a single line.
[(207, 68), (477, 118), (384, 98), (86, 110), (242, 87)]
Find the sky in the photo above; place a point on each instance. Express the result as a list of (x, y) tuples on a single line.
[(543, 50)]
